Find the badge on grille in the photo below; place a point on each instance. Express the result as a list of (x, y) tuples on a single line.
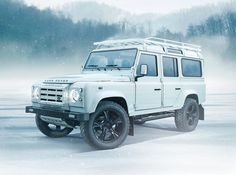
[(59, 98)]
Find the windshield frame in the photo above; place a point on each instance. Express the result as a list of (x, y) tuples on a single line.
[(109, 50)]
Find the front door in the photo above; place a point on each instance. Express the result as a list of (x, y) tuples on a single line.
[(148, 87)]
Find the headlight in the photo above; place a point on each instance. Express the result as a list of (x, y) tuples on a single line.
[(75, 95), (36, 93)]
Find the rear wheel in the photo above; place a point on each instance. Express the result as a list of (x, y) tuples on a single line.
[(108, 127), (51, 130), (186, 119)]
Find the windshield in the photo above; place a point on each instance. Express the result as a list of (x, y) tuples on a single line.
[(112, 59)]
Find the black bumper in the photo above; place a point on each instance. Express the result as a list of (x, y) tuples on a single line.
[(57, 114)]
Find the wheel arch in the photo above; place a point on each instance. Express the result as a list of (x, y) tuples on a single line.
[(193, 96), (113, 96), (119, 100), (189, 94)]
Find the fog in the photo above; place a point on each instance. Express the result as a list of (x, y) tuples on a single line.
[(20, 73), (45, 45), (220, 69)]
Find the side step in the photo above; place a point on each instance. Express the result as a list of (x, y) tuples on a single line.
[(155, 117)]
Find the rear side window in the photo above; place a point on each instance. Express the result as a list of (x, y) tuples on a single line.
[(151, 62), (191, 68), (170, 67)]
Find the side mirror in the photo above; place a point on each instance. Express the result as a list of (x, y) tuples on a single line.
[(144, 69)]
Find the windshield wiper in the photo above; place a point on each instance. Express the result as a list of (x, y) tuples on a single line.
[(94, 66), (113, 66)]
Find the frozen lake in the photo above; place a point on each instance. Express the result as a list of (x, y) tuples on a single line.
[(156, 148)]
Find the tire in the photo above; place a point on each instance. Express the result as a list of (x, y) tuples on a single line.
[(107, 127), (51, 131), (186, 119)]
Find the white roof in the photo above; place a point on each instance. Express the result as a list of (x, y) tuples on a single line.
[(154, 45)]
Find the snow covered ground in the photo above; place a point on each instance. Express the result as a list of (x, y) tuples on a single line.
[(156, 148)]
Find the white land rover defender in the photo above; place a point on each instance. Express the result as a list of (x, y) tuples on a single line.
[(124, 82)]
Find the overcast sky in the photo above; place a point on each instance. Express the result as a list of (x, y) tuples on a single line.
[(135, 6)]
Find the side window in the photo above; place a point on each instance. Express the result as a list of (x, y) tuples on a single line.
[(170, 67), (191, 68), (151, 62)]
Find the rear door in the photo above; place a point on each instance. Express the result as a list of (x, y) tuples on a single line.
[(170, 80), (148, 88)]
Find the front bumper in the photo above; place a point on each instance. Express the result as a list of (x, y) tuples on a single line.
[(65, 115)]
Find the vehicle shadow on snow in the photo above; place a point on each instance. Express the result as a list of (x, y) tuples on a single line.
[(24, 134), (151, 131), (21, 134), (146, 132), (72, 143)]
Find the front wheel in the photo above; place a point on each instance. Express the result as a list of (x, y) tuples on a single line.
[(108, 127), (186, 119), (50, 130)]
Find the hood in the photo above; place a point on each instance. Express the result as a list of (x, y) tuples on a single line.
[(70, 79)]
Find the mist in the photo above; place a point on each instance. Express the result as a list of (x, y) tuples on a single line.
[(220, 71), (219, 65), (28, 54)]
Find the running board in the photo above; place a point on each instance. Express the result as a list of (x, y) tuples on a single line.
[(160, 116)]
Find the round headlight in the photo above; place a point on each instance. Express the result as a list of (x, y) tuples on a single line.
[(74, 95), (36, 92)]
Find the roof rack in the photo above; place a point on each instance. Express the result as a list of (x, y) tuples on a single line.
[(151, 41), (172, 42)]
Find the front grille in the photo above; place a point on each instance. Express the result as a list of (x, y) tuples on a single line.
[(51, 95)]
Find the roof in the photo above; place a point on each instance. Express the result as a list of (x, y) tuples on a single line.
[(153, 44)]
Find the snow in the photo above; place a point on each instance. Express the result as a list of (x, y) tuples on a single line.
[(156, 148)]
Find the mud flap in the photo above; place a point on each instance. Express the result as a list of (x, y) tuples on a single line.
[(131, 126), (201, 113)]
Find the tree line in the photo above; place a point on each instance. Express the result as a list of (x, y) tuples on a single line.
[(57, 36), (47, 33)]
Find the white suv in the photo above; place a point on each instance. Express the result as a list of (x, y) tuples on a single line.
[(124, 82)]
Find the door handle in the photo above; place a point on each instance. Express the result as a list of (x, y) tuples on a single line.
[(177, 89), (157, 89)]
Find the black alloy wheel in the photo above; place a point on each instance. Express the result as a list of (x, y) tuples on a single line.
[(108, 127), (186, 118)]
